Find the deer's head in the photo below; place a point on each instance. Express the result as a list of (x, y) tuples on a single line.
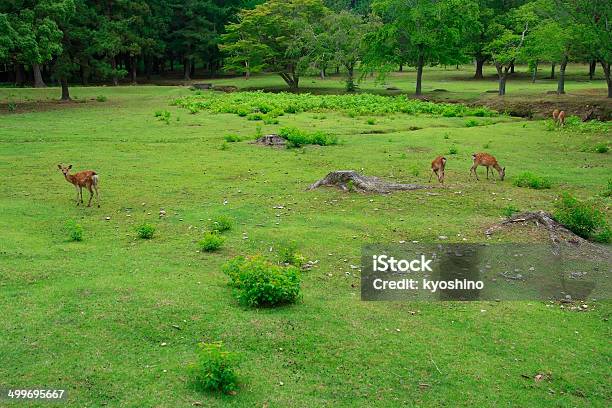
[(64, 169)]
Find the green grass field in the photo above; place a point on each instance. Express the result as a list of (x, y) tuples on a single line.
[(116, 320)]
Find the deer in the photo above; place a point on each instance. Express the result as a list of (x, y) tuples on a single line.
[(555, 115), (561, 118), (87, 178), (485, 159), (437, 168)]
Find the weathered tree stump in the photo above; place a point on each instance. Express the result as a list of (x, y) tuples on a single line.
[(271, 140), (350, 180)]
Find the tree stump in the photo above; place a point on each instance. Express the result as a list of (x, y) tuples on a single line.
[(271, 140), (350, 180)]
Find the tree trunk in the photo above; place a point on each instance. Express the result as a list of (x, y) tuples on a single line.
[(19, 76), (114, 68), (247, 70), (322, 73), (38, 79), (561, 83), (479, 65), (502, 73), (133, 63), (552, 70), (337, 69), (65, 90), (606, 68), (592, 66), (401, 68), (512, 68), (187, 70), (419, 80), (291, 79), (350, 83), (534, 72)]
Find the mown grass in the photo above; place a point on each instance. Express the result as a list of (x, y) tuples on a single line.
[(91, 316)]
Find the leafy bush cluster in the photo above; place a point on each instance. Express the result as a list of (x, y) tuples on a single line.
[(532, 181), (214, 369), (232, 138), (145, 231), (266, 106), (288, 254), (212, 239), (575, 124), (582, 218), (297, 138), (74, 230), (163, 115), (261, 283)]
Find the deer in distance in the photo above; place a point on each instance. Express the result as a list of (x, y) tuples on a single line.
[(87, 178), (558, 117), (485, 159), (437, 168)]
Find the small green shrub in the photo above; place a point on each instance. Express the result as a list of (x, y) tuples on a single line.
[(288, 253), (214, 369), (298, 138), (221, 224), (101, 98), (163, 116), (471, 123), (582, 218), (255, 116), (232, 138), (224, 146), (608, 191), (446, 136), (12, 106), (453, 150), (145, 231), (530, 180), (258, 282), (211, 242), (268, 120), (371, 121), (74, 230), (509, 210), (601, 148)]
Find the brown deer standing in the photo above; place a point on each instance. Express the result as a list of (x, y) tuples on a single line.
[(485, 159), (82, 179), (561, 118), (555, 115), (437, 167)]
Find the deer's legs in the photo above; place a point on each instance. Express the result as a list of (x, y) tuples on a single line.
[(90, 195), (77, 197), (432, 173), (441, 177), (473, 171), (97, 195), (487, 172)]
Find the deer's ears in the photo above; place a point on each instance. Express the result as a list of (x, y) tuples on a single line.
[(70, 166), (59, 166)]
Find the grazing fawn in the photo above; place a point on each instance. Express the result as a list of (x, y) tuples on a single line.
[(485, 159), (437, 167), (555, 115), (82, 179)]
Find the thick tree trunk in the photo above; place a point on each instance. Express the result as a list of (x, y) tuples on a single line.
[(187, 70), (291, 79), (322, 73), (401, 67), (606, 69), (65, 90), (38, 79), (114, 68), (561, 83), (592, 66), (512, 68), (350, 83), (479, 66), (419, 79), (552, 70), (502, 73), (337, 69)]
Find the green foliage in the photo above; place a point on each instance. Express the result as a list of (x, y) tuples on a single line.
[(472, 123), (453, 150), (12, 106), (608, 191), (259, 283), (601, 148), (145, 231), (509, 210), (371, 121), (221, 224), (246, 103), (211, 241), (214, 369), (101, 98), (298, 138), (163, 115), (74, 230), (232, 138), (582, 218), (531, 180), (224, 146), (288, 254)]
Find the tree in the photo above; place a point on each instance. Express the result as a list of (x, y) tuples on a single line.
[(420, 32), (284, 30), (7, 37), (341, 40)]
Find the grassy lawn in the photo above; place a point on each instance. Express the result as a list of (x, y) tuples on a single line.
[(116, 320)]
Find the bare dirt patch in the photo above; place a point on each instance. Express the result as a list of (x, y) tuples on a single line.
[(271, 140)]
